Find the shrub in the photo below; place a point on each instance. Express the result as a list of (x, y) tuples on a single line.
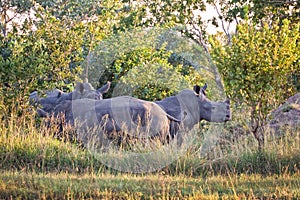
[(257, 68)]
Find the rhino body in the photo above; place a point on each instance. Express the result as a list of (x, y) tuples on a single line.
[(117, 116), (142, 118)]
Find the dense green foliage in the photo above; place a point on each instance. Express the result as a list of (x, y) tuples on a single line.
[(260, 11), (53, 45), (257, 67), (143, 63), (46, 50), (38, 60)]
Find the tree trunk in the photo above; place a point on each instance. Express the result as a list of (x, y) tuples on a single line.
[(259, 136)]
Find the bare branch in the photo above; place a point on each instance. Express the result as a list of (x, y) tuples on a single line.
[(226, 31)]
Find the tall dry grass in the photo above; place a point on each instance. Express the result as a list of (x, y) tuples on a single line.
[(221, 161), (28, 144)]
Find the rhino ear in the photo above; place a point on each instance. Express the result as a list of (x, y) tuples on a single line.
[(205, 86), (197, 89), (104, 88), (79, 87), (59, 94)]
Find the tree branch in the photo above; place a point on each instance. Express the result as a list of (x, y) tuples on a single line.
[(226, 31)]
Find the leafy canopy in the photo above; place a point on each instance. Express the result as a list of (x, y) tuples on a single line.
[(143, 63), (257, 67)]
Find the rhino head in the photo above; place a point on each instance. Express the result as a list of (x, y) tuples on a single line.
[(192, 106), (86, 90), (209, 110), (55, 97)]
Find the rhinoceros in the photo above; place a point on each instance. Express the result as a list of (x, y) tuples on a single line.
[(55, 97), (192, 107), (143, 118)]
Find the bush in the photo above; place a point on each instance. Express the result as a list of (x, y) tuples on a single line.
[(257, 68), (150, 64)]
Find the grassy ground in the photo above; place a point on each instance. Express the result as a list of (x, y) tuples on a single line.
[(74, 186), (36, 165)]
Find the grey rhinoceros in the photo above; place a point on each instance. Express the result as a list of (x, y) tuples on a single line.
[(143, 118), (192, 107), (55, 97)]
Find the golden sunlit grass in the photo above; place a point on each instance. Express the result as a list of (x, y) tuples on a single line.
[(36, 165), (108, 186)]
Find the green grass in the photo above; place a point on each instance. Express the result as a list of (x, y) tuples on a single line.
[(36, 165), (73, 186)]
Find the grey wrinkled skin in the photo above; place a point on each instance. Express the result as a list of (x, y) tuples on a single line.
[(141, 118), (55, 97), (192, 107), (124, 114)]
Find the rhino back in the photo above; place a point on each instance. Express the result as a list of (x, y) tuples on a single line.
[(131, 113), (116, 114), (171, 106), (184, 106)]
